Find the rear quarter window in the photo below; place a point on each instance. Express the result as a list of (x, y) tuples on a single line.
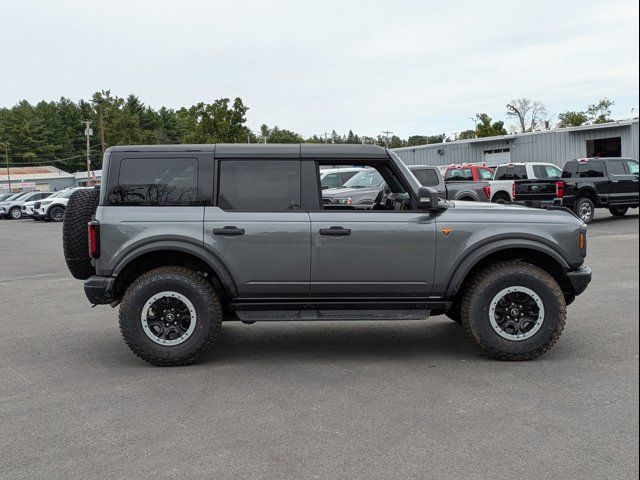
[(156, 182)]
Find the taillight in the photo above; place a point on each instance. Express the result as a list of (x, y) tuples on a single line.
[(487, 191), (94, 239), (513, 191), (559, 189)]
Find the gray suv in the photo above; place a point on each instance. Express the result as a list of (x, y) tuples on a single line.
[(183, 238)]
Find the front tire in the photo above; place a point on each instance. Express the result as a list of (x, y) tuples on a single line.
[(513, 311), (170, 316), (619, 211), (56, 214), (15, 213)]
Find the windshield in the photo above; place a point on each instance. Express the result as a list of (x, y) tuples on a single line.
[(368, 178)]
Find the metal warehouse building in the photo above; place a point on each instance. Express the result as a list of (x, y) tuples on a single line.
[(616, 139), (45, 177)]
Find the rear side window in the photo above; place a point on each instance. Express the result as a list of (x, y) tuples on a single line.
[(259, 186), (459, 174), (616, 167), (156, 182), (427, 177), (546, 171)]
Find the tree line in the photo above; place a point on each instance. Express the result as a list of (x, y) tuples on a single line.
[(53, 132)]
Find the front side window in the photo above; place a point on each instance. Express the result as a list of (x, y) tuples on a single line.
[(633, 167), (259, 185), (156, 182)]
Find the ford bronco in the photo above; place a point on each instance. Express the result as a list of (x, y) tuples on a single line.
[(184, 237)]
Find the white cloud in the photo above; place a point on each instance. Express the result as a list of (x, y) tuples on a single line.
[(413, 67)]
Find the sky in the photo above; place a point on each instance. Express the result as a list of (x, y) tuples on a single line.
[(411, 67)]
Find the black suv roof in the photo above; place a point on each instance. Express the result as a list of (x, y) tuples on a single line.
[(246, 150)]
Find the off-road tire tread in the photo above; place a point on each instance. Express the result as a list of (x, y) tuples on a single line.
[(491, 274), (183, 274), (75, 238)]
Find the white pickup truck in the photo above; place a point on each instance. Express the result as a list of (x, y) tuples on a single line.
[(503, 180)]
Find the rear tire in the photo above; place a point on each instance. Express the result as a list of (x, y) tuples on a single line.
[(585, 209), (619, 211), (501, 199), (513, 311), (75, 236), (143, 325)]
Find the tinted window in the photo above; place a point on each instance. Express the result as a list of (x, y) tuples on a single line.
[(259, 186), (570, 170), (459, 174), (517, 172), (427, 177), (332, 180), (616, 167), (633, 167), (590, 170), (159, 181)]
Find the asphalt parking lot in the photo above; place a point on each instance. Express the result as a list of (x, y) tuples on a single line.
[(375, 400)]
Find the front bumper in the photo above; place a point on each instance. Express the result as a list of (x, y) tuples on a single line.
[(580, 279), (100, 290)]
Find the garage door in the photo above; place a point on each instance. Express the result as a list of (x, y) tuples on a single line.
[(493, 158)]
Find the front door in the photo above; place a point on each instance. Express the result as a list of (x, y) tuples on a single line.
[(372, 253), (257, 229)]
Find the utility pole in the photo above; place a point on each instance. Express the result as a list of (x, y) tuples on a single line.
[(101, 123), (6, 156), (475, 125), (386, 133), (88, 132)]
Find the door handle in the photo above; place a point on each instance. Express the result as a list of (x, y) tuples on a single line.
[(229, 230), (335, 231)]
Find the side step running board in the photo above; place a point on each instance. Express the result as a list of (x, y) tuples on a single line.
[(311, 315)]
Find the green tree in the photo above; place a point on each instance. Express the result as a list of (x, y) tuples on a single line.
[(467, 134), (281, 135), (488, 128), (572, 119), (600, 112)]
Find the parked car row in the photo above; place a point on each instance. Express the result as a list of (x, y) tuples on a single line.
[(46, 206)]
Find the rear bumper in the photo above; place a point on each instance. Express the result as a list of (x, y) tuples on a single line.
[(100, 290), (580, 279)]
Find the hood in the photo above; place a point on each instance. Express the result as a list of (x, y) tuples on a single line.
[(524, 214)]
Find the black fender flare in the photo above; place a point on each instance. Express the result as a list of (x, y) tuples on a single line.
[(215, 263), (462, 269)]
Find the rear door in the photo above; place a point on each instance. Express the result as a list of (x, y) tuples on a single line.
[(256, 227), (632, 166)]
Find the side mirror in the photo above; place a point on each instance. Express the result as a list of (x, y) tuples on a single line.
[(428, 199)]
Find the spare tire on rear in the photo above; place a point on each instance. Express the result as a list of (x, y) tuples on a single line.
[(75, 236)]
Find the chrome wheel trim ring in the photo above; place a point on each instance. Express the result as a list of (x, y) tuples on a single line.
[(160, 341), (492, 313)]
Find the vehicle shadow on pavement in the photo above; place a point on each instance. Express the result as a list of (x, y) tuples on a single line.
[(346, 341)]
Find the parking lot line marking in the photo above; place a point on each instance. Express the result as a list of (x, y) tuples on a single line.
[(5, 280)]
